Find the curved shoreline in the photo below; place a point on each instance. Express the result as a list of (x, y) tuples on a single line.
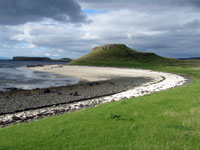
[(22, 100), (166, 81)]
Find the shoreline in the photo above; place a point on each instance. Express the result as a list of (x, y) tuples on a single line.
[(165, 81), (22, 100)]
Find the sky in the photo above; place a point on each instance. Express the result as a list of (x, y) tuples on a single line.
[(71, 28)]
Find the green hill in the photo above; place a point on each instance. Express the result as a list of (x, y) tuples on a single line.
[(22, 58), (120, 55)]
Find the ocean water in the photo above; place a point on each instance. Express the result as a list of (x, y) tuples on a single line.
[(15, 74)]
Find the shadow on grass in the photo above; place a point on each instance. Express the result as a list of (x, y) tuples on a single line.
[(118, 117)]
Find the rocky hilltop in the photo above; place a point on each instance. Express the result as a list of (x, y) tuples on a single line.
[(109, 46)]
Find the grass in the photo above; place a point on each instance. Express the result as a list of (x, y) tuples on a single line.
[(168, 120)]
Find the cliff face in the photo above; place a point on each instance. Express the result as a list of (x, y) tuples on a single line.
[(31, 59)]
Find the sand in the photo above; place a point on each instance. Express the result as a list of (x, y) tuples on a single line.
[(86, 73)]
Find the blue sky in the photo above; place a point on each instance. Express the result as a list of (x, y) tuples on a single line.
[(71, 28), (93, 11)]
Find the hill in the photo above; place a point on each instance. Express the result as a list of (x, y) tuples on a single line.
[(19, 58), (120, 54), (191, 58), (64, 59)]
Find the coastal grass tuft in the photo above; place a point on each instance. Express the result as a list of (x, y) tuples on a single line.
[(168, 120)]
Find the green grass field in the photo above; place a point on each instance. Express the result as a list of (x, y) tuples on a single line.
[(168, 120)]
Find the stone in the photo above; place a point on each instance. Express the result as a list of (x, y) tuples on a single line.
[(76, 94), (15, 118), (47, 91)]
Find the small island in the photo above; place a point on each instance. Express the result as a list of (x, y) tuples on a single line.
[(19, 58)]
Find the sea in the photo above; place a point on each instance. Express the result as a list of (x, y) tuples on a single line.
[(16, 75)]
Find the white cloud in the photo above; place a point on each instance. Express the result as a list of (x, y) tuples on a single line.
[(56, 55), (89, 36), (6, 46), (60, 50), (47, 54), (32, 46)]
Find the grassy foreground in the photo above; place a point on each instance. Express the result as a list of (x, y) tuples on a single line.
[(168, 120)]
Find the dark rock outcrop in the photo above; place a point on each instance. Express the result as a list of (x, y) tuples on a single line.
[(109, 46)]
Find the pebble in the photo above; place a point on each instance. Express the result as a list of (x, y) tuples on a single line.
[(170, 81)]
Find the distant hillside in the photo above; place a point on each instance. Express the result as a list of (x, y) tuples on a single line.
[(117, 54), (19, 58), (192, 58), (31, 58), (63, 59)]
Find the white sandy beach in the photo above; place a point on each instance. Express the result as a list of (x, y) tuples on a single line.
[(97, 73)]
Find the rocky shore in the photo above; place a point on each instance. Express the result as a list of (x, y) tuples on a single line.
[(20, 100), (16, 101), (24, 106)]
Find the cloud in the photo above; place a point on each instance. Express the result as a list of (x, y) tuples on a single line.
[(174, 37), (137, 4), (60, 50), (13, 12), (168, 28), (47, 54), (32, 46), (56, 55)]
